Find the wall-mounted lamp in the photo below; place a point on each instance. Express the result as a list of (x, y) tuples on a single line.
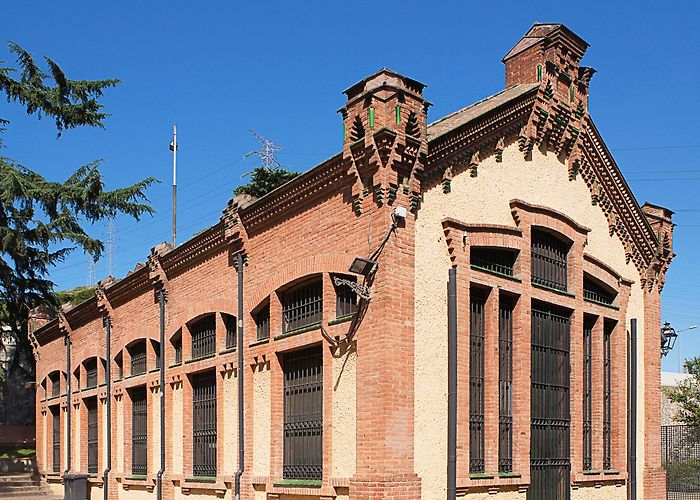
[(362, 266), (669, 336)]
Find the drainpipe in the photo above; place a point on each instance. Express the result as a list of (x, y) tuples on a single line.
[(108, 379), (161, 303), (632, 420), (239, 348), (68, 391), (452, 385)]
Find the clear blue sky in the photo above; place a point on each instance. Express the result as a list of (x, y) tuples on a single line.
[(221, 68)]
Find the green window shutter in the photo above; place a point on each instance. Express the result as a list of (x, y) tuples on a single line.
[(571, 94), (539, 72), (371, 117), (397, 111)]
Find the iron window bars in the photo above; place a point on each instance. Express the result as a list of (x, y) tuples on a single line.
[(91, 373), (55, 385), (476, 381), (595, 292), (177, 348), (56, 438), (204, 424), (230, 322), (607, 403), (204, 337), (505, 384), (92, 450), (345, 299), (138, 358), (588, 324), (262, 323), (549, 266), (496, 260), (139, 431), (302, 306), (550, 461), (303, 415)]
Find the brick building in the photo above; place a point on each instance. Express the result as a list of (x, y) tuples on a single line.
[(512, 264)]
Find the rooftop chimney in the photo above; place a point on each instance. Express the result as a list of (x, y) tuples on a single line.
[(550, 54)]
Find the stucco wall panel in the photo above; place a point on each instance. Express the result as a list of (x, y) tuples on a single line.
[(154, 429), (230, 423), (135, 494), (503, 495), (177, 429), (119, 464), (261, 421), (609, 492), (344, 413)]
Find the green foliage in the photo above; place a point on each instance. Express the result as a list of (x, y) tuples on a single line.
[(263, 180), (687, 395), (42, 221), (75, 296)]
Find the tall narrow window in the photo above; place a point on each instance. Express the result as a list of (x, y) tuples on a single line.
[(91, 405), (138, 358), (594, 291), (476, 381), (549, 255), (55, 384), (91, 373), (139, 431), (230, 322), (302, 306), (203, 337), (156, 348), (303, 415), (607, 406), (177, 348), (119, 360), (505, 384), (204, 424), (588, 324), (262, 323), (56, 438), (345, 298)]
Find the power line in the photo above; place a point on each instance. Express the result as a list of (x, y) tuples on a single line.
[(654, 148)]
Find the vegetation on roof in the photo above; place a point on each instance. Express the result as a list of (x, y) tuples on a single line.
[(75, 296), (263, 180)]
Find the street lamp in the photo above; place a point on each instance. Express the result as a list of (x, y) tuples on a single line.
[(669, 336)]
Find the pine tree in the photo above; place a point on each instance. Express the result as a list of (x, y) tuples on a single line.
[(263, 180), (43, 221)]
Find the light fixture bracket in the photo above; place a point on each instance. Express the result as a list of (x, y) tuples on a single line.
[(362, 291)]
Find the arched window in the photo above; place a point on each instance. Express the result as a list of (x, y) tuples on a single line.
[(549, 260), (302, 306), (137, 351), (230, 323), (203, 333), (90, 372)]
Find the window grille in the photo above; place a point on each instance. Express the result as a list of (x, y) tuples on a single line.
[(607, 406), (203, 337), (505, 384), (302, 306), (156, 347), (230, 322), (204, 424), (177, 346), (595, 292), (55, 385), (549, 265), (496, 260), (56, 441), (139, 431), (303, 415), (476, 381), (262, 323), (345, 299), (138, 358), (91, 373), (92, 435), (550, 462), (588, 324)]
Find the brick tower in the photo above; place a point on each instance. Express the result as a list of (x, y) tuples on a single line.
[(386, 144)]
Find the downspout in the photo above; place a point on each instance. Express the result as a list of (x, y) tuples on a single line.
[(161, 303), (68, 391), (452, 385), (239, 347), (108, 380), (632, 420)]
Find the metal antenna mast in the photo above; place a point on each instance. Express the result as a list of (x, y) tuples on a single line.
[(111, 246), (267, 152), (91, 270), (173, 148)]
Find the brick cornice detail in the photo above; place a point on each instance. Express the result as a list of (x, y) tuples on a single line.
[(459, 235), (518, 205)]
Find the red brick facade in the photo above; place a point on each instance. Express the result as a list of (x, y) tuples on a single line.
[(314, 226)]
